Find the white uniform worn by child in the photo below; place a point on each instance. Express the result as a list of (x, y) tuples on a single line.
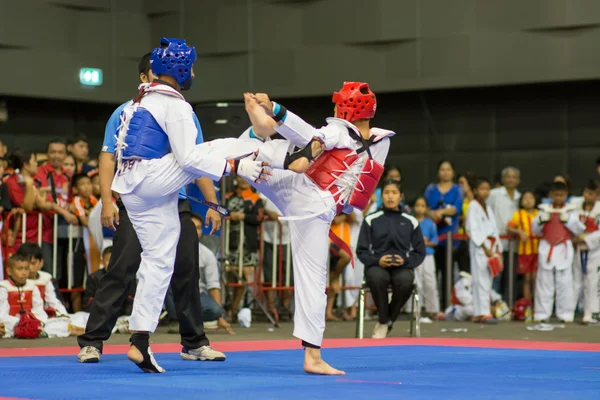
[(483, 240), (556, 224)]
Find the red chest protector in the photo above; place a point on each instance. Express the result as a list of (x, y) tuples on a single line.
[(42, 289), (20, 300), (590, 223), (555, 232), (332, 164)]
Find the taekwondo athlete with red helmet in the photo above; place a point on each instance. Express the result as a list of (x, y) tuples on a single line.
[(343, 177), (157, 154)]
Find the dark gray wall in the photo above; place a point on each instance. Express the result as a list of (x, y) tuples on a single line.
[(298, 47)]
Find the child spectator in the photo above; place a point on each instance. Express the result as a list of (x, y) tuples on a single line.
[(19, 295), (95, 177), (556, 224), (42, 279), (246, 206), (391, 246), (521, 226), (425, 273), (83, 203), (461, 308), (587, 256), (484, 246)]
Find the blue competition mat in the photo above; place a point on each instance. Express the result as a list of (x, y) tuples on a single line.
[(400, 372)]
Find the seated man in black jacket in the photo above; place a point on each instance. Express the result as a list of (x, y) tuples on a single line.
[(391, 246)]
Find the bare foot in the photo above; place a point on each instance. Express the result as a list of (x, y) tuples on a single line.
[(262, 125), (331, 317), (314, 364), (135, 356)]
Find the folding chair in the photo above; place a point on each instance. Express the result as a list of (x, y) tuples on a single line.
[(415, 314)]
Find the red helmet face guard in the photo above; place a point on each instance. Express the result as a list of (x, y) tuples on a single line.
[(355, 101)]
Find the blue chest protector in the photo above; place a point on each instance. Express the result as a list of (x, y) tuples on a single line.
[(145, 138)]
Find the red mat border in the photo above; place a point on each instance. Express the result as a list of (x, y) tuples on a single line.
[(260, 345)]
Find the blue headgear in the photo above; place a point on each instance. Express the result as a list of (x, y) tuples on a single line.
[(175, 60)]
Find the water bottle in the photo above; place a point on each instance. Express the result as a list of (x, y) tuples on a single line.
[(528, 315)]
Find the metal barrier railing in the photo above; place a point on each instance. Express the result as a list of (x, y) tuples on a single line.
[(513, 246)]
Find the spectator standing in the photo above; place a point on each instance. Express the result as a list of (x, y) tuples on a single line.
[(4, 207), (425, 273), (521, 226), (70, 165), (24, 193), (272, 241), (245, 205), (586, 263), (557, 223), (444, 200), (55, 184), (484, 244), (504, 202), (79, 147), (210, 283)]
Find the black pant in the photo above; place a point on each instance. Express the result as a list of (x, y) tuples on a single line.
[(379, 280), (124, 263)]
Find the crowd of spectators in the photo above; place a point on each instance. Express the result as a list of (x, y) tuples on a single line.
[(49, 200)]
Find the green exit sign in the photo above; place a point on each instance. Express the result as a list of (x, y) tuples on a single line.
[(90, 76)]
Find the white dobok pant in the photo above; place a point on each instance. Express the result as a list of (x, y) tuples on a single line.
[(296, 195), (482, 280), (152, 209)]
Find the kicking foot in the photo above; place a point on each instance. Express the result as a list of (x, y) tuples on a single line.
[(316, 365), (263, 125), (140, 354)]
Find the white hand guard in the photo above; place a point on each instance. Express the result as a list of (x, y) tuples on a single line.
[(250, 169), (564, 217), (544, 217)]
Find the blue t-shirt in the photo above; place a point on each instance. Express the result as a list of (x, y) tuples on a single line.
[(436, 201), (429, 230), (112, 126)]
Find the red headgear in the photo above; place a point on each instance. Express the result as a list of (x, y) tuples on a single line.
[(519, 309), (28, 327), (355, 101)]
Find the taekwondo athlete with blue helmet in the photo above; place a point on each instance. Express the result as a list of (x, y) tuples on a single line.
[(156, 155), (116, 285)]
